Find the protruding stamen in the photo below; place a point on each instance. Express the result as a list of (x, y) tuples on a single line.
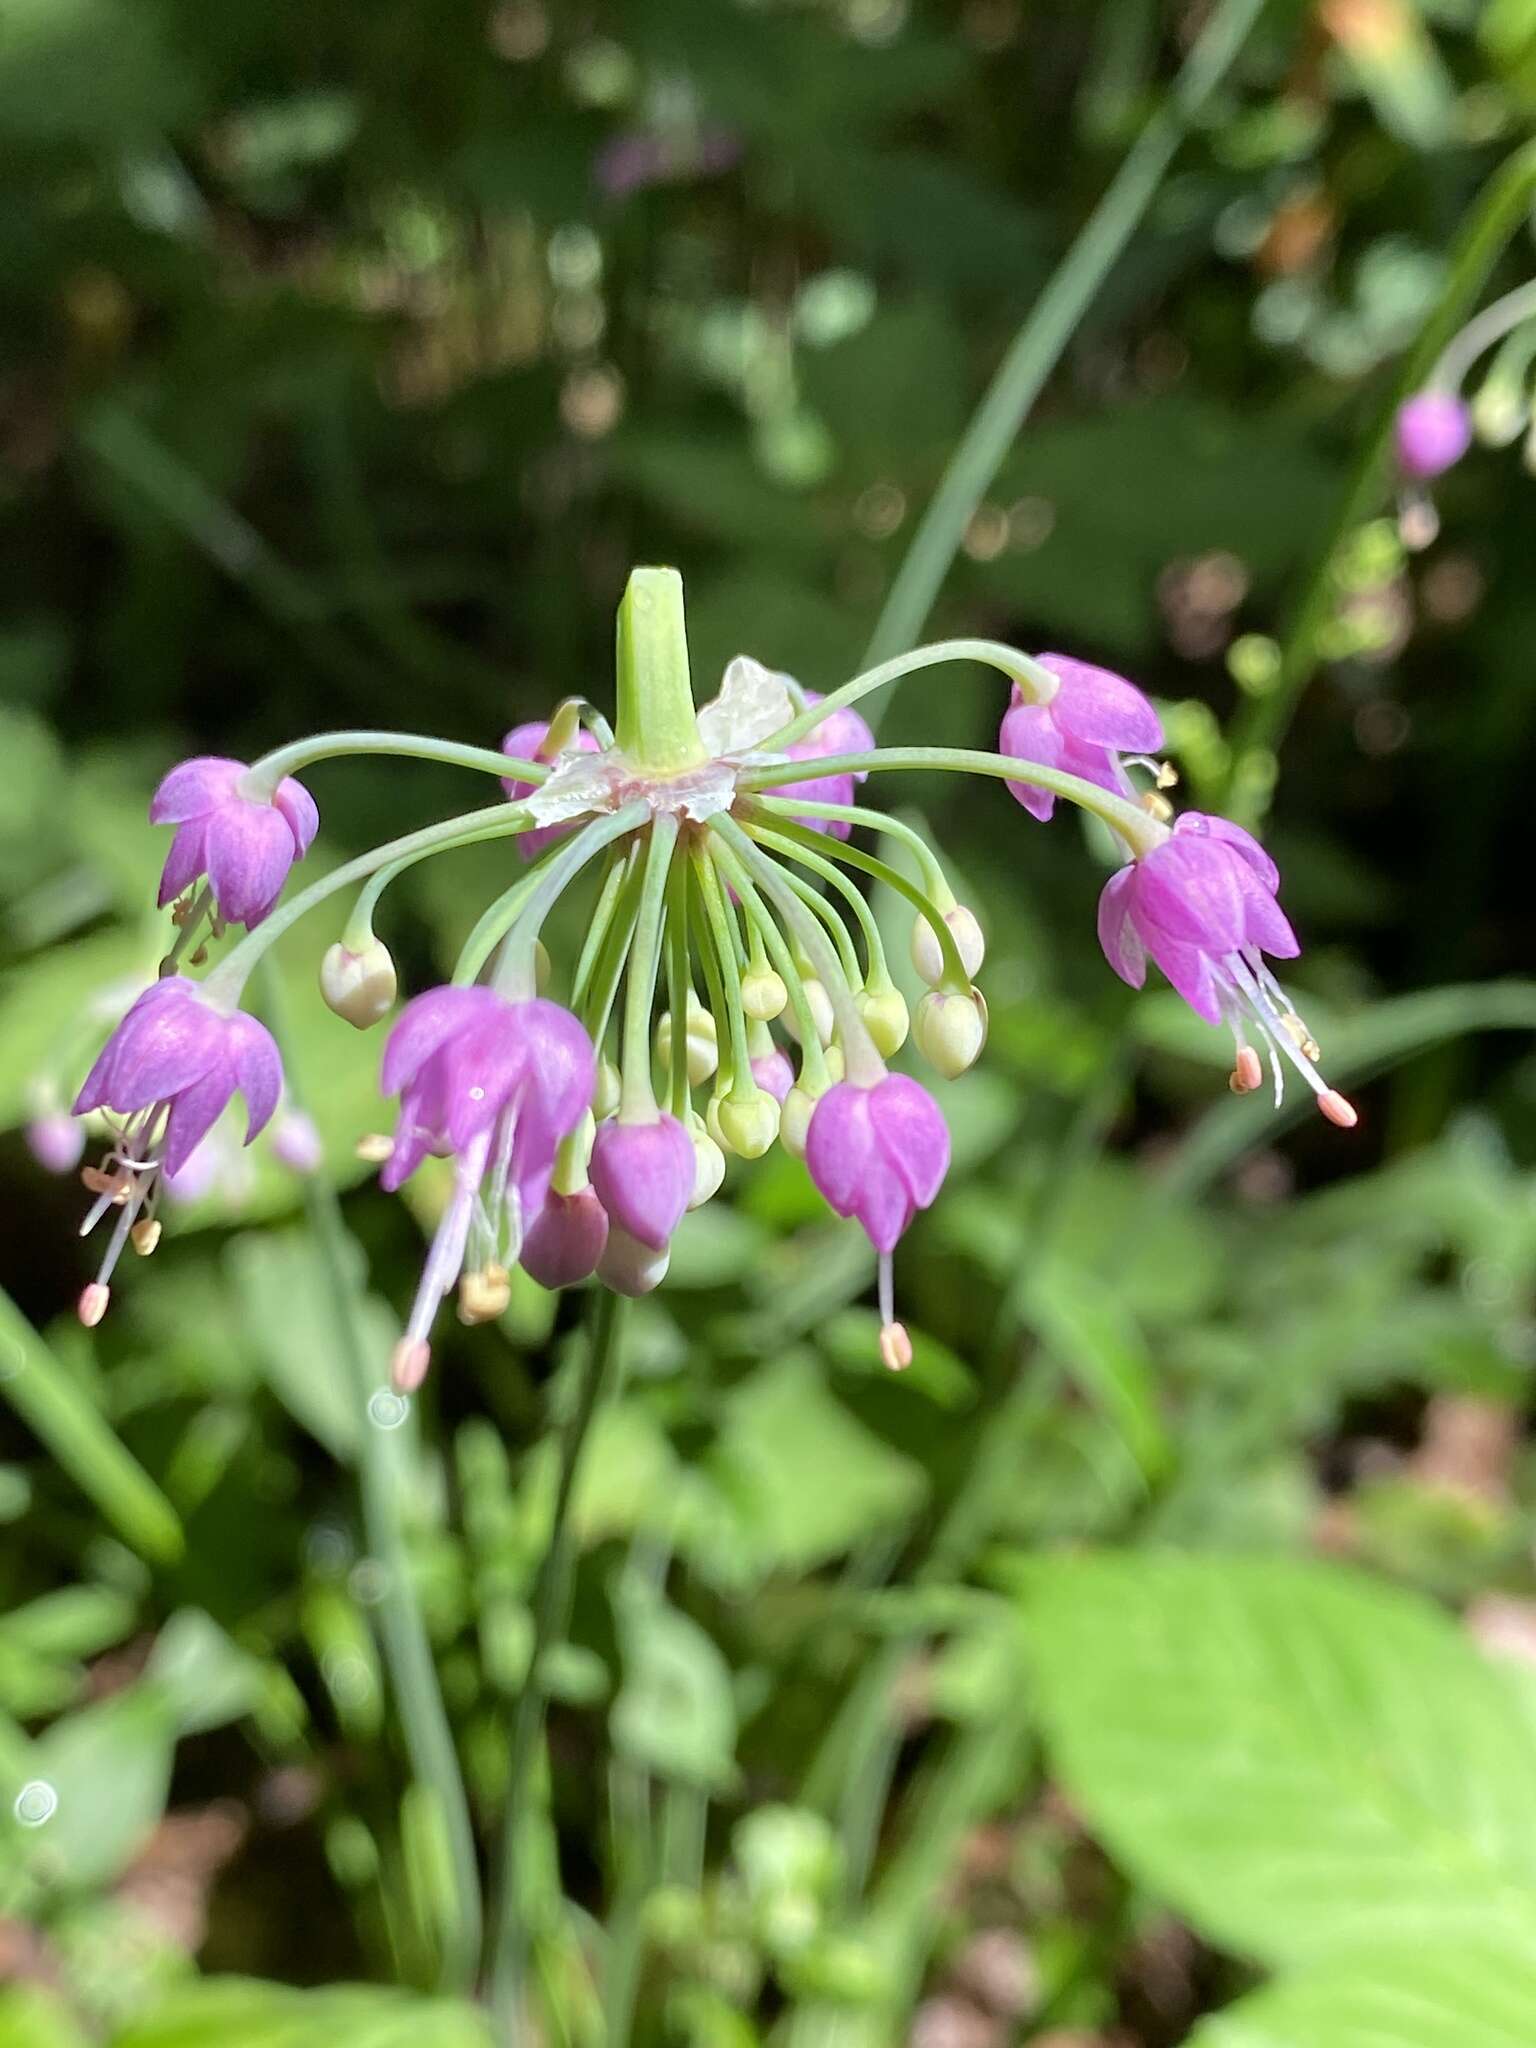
[(92, 1305), (1158, 805), (895, 1347), (374, 1147), (1247, 1073), (145, 1235), (408, 1364), (1338, 1109), (1167, 775)]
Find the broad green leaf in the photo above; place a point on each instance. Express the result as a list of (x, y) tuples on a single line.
[(1304, 1762), (675, 1714), (107, 1772), (1479, 1993)]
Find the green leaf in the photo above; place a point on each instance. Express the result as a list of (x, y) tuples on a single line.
[(109, 1771), (34, 2017), (1303, 1762), (242, 2012), (1086, 1326), (1479, 1994), (675, 1714)]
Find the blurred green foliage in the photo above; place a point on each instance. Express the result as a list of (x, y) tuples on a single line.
[(349, 355)]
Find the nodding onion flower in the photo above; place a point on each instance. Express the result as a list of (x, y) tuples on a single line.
[(1437, 425), (719, 850)]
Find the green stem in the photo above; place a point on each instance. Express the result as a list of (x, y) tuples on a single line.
[(264, 775), (602, 918), (1138, 828), (813, 1065), (1016, 666), (955, 976), (679, 984), (498, 821), (637, 1099), (525, 909), (1498, 213), (718, 914), (1039, 343), (928, 864), (551, 1605), (407, 1647)]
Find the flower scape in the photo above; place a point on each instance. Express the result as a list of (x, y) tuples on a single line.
[(731, 990)]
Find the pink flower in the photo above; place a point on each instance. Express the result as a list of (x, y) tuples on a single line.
[(842, 732), (55, 1141), (244, 845), (1202, 904), (1432, 432), (644, 1175), (523, 743), (1094, 717), (773, 1073), (497, 1084), (169, 1068)]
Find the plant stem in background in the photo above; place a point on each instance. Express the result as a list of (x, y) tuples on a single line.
[(407, 1649), (1038, 346), (1261, 726), (551, 1606)]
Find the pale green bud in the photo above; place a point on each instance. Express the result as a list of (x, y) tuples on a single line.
[(703, 1049), (886, 1018), (795, 1121), (745, 1124), (361, 987), (763, 994), (709, 1163), (951, 1030), (927, 955), (822, 1016), (834, 1062), (605, 1096)]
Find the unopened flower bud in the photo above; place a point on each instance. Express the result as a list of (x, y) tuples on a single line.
[(630, 1267), (297, 1143), (951, 1030), (795, 1121), (710, 1159), (886, 1018), (820, 1005), (928, 955), (703, 1050), (605, 1096), (360, 987), (56, 1140), (834, 1062), (565, 1240), (745, 1124), (763, 994)]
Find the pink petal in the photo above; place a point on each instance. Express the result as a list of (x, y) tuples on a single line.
[(1190, 970), (1205, 825), (258, 1067), (1029, 734), (840, 1146), (1265, 924), (1117, 935), (1190, 889), (1095, 704), (294, 802), (194, 1113), (912, 1134), (249, 850), (194, 788), (185, 861), (422, 1026)]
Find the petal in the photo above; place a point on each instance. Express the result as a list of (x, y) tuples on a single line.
[(561, 1072), (1265, 924), (884, 1208), (1028, 733), (258, 1068), (194, 1113), (1191, 971), (185, 861), (481, 1069), (1204, 825), (1095, 704), (840, 1146), (1098, 765), (422, 1027), (912, 1135), (194, 788), (294, 802), (250, 850), (165, 1044), (1117, 934), (1191, 890)]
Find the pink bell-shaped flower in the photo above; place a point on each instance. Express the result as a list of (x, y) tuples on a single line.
[(1092, 719), (245, 845), (644, 1176)]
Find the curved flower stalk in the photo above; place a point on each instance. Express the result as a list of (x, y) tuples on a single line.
[(1438, 424), (731, 990)]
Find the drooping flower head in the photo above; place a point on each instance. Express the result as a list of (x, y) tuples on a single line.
[(1084, 727), (496, 1085), (169, 1070), (244, 844), (728, 987), (1202, 905)]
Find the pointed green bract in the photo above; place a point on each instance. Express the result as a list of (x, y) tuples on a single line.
[(656, 726)]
